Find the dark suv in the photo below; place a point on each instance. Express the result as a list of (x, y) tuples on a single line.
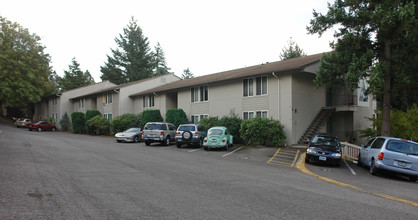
[(190, 134), (158, 132)]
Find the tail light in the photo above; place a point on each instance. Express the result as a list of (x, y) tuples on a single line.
[(177, 133), (162, 133), (142, 132), (223, 140), (196, 134), (205, 140), (380, 157)]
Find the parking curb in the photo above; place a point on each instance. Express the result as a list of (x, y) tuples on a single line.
[(300, 165)]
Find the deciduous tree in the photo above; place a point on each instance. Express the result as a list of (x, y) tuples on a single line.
[(24, 66)]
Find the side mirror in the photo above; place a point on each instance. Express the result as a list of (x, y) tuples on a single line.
[(362, 145), (342, 145), (307, 141)]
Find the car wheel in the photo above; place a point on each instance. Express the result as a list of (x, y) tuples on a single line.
[(206, 148), (118, 141), (306, 160), (359, 161), (30, 129), (227, 146), (147, 143), (39, 129), (178, 145), (136, 139), (413, 178), (53, 129), (373, 169), (167, 141)]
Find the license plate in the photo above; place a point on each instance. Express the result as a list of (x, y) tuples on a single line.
[(401, 164), (145, 138), (178, 139), (322, 158)]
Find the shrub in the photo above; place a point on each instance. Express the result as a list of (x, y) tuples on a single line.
[(50, 120), (176, 116), (262, 131), (79, 122), (99, 124), (65, 122), (209, 122), (125, 121), (152, 115), (89, 115), (233, 123)]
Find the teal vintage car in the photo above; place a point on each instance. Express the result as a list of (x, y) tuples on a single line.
[(218, 137)]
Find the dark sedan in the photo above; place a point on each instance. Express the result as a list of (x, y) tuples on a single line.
[(324, 148), (42, 126)]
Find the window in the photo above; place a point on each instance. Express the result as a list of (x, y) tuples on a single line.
[(260, 86), (378, 143), (199, 94), (194, 119), (81, 103), (54, 116), (203, 116), (54, 101), (148, 101), (108, 116), (108, 98), (250, 115)]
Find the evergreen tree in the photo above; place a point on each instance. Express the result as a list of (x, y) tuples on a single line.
[(159, 61), (187, 74), (74, 77), (376, 41), (24, 66), (132, 60), (291, 51)]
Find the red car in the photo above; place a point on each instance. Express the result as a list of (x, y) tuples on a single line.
[(42, 126)]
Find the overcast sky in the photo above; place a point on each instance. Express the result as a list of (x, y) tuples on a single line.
[(205, 36)]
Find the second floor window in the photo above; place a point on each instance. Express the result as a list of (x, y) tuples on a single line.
[(81, 103), (199, 94), (148, 101), (257, 86), (108, 98)]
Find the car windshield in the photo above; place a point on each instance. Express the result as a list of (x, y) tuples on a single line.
[(215, 132), (132, 130), (187, 128), (402, 147), (153, 127), (325, 140)]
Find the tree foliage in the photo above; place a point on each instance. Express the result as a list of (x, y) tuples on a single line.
[(24, 66), (78, 120), (187, 74), (159, 61), (151, 115), (291, 51), (376, 41), (65, 122), (132, 60), (74, 77), (98, 125)]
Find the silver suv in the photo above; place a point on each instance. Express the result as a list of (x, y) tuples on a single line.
[(190, 134), (158, 132)]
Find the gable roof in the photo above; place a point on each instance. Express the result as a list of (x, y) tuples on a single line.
[(279, 66), (117, 87)]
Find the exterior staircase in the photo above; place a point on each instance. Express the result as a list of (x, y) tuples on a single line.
[(317, 123)]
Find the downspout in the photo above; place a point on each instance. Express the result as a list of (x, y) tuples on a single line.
[(278, 95)]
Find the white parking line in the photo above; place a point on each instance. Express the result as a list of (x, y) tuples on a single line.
[(352, 171), (231, 152), (194, 150)]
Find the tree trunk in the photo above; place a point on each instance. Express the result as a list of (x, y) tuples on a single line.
[(386, 92)]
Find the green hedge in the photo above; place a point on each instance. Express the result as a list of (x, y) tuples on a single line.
[(262, 131), (151, 116), (176, 116), (98, 125), (89, 115), (125, 121), (79, 122)]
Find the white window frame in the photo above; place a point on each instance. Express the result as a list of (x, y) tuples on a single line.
[(81, 103), (108, 98), (254, 86), (54, 116), (148, 101), (199, 94), (54, 101), (194, 119), (253, 114), (108, 116)]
